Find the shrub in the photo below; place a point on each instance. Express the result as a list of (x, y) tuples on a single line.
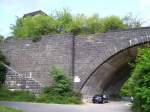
[(113, 23), (125, 89), (140, 86), (62, 81), (34, 27), (61, 91)]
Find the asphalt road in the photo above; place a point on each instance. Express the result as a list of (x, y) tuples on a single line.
[(119, 106)]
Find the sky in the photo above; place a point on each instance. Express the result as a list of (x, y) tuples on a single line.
[(11, 9)]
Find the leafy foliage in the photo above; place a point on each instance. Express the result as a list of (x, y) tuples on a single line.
[(141, 81), (125, 90), (132, 21), (64, 22), (61, 91), (34, 27), (63, 83), (138, 85), (47, 97), (113, 23), (94, 24), (1, 38)]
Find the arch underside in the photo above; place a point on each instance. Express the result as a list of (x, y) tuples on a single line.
[(111, 75)]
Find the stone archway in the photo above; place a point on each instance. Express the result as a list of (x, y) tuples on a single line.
[(111, 75)]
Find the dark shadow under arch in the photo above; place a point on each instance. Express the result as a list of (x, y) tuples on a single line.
[(104, 77)]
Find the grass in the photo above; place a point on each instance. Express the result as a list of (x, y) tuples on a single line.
[(8, 109), (58, 99), (7, 95), (24, 96), (61, 92)]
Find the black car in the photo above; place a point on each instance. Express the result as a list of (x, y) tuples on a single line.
[(97, 99), (105, 98)]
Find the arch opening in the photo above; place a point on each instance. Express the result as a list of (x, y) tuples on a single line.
[(111, 75)]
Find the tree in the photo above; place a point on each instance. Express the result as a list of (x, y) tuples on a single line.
[(33, 27), (140, 86), (113, 23), (64, 20), (62, 82), (1, 38), (132, 21), (77, 26), (94, 24)]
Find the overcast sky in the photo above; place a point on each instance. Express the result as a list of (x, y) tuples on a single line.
[(10, 9)]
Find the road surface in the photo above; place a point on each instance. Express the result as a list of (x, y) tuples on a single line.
[(119, 106)]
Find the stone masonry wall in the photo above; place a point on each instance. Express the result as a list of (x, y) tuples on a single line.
[(80, 55), (91, 51), (35, 58)]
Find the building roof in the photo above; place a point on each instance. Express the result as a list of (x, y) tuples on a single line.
[(34, 13)]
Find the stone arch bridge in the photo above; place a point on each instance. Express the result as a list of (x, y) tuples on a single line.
[(98, 62)]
